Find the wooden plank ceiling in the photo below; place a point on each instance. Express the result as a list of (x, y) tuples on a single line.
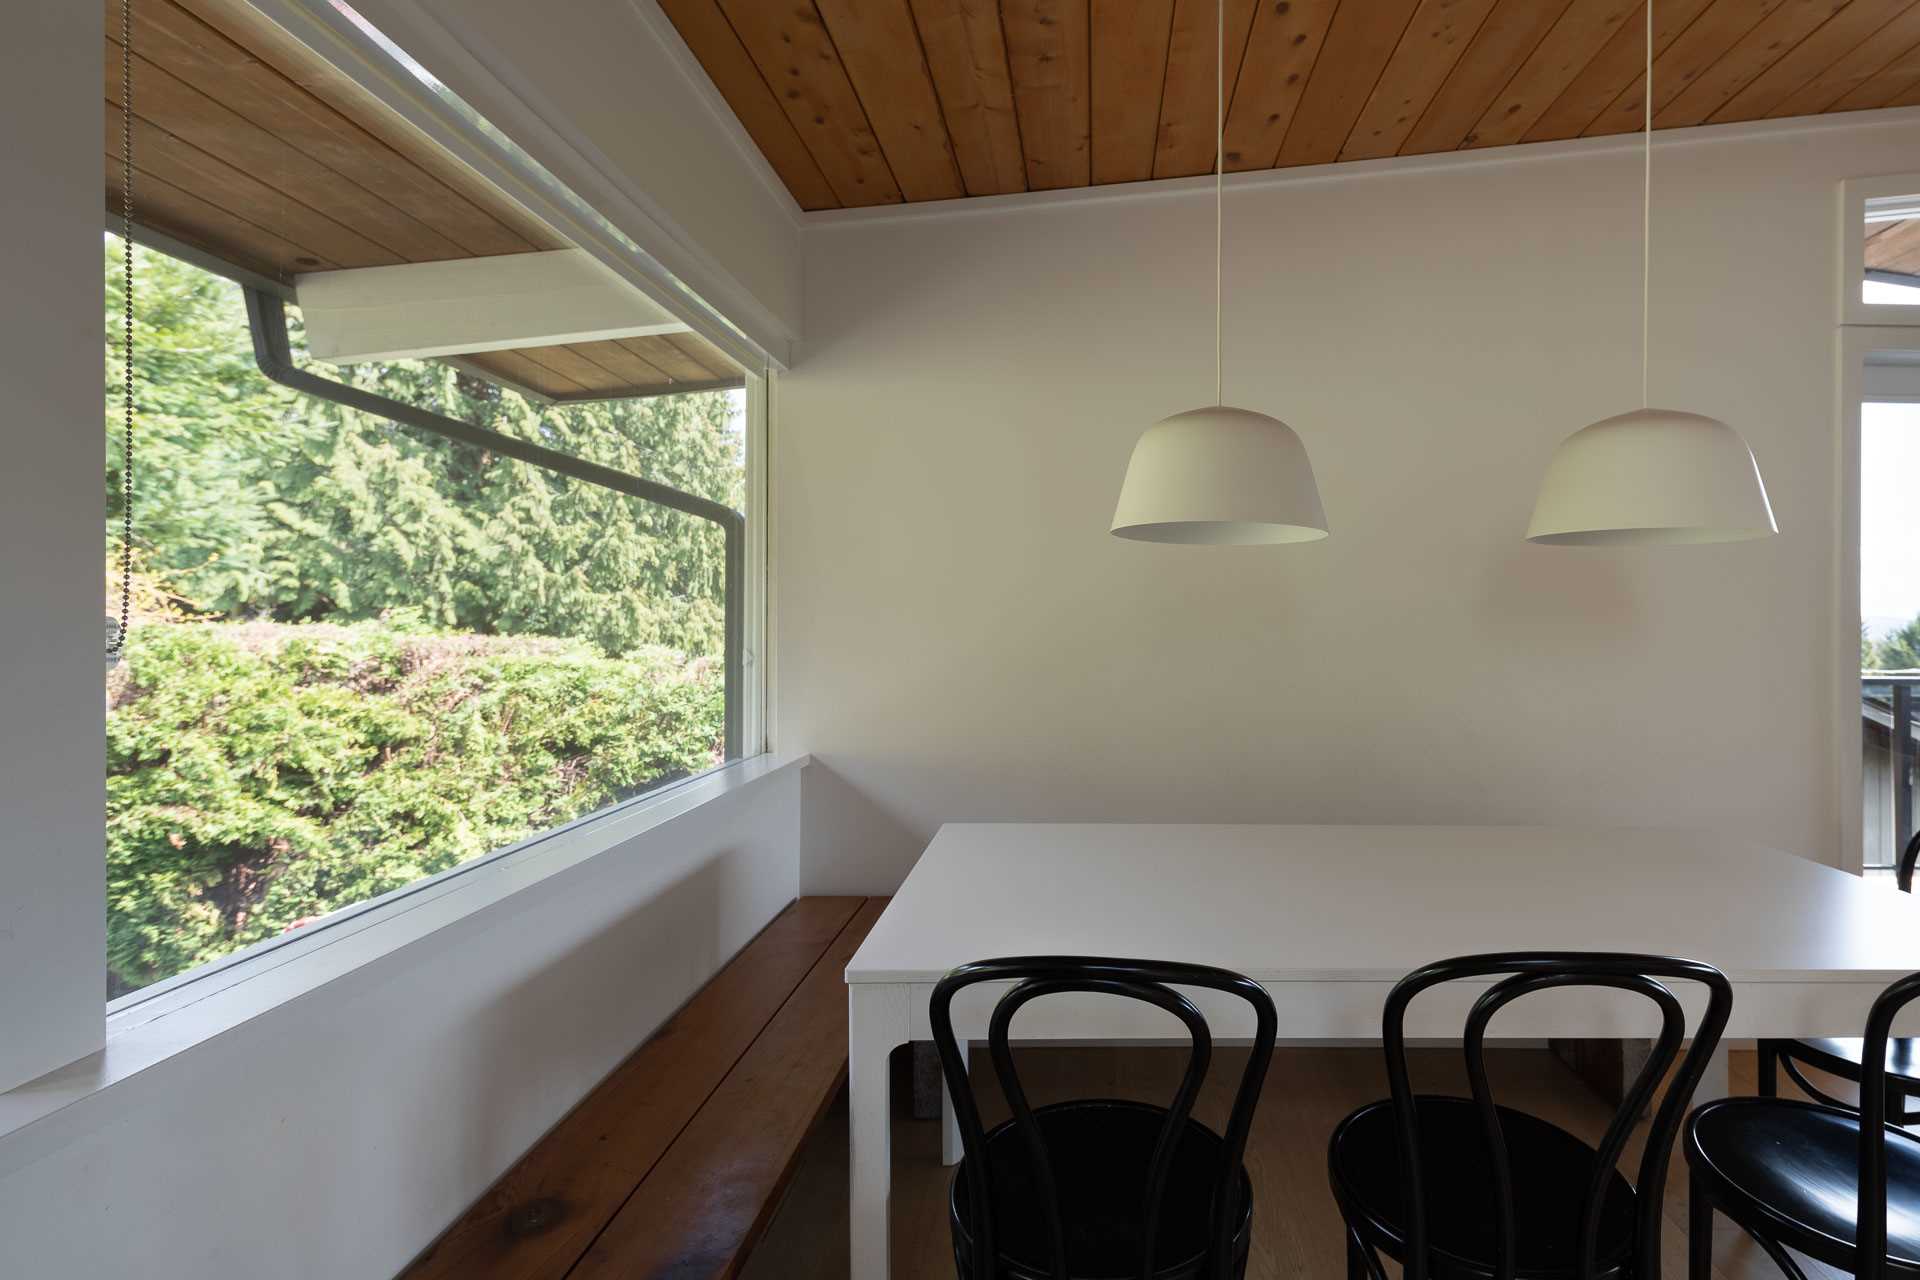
[(868, 102), (1894, 248), (251, 148)]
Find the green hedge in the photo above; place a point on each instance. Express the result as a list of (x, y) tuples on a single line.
[(262, 774)]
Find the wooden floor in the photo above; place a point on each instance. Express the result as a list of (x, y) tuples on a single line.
[(1297, 1232)]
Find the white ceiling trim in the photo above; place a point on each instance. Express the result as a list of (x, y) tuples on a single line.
[(1389, 166), (662, 29), (669, 267)]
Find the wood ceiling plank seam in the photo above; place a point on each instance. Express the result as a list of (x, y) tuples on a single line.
[(1049, 49), (819, 97), (1340, 106), (1887, 87), (702, 353), (1485, 68), (1407, 87), (586, 351), (483, 220), (1580, 33), (1860, 21), (1857, 67), (323, 240), (187, 220), (1013, 93), (933, 87), (1895, 247), (1720, 26), (1124, 53), (653, 376), (921, 181), (1166, 63), (709, 34), (1854, 68), (518, 369), (1773, 38), (1283, 48), (428, 244), (662, 355), (1906, 263), (1239, 61), (1614, 68), (645, 349), (203, 56), (563, 358), (559, 383), (990, 162), (1187, 127)]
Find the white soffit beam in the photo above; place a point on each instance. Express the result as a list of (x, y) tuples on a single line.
[(424, 309), (1892, 377)]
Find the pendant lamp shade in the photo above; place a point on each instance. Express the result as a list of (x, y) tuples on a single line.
[(1219, 476), (1652, 476)]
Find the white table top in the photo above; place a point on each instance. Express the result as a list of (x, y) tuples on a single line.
[(1370, 903)]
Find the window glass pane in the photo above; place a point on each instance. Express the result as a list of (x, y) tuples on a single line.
[(1892, 250), (363, 654), (1889, 628)]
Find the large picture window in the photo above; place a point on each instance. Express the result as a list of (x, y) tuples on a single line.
[(362, 653)]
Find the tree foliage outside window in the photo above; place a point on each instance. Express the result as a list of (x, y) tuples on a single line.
[(361, 654)]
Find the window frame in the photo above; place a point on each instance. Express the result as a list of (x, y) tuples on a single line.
[(1855, 346), (1854, 194), (745, 592)]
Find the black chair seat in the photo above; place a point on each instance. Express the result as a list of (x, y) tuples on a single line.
[(1551, 1169), (1100, 1152), (1842, 1058), (1793, 1166)]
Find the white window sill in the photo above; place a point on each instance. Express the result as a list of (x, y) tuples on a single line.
[(145, 1030)]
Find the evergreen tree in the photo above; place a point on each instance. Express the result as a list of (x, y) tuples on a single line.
[(256, 501), (364, 653)]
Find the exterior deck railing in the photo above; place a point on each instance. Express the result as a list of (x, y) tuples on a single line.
[(1888, 752)]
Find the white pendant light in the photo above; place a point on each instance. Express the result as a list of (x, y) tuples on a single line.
[(1219, 475), (1654, 475)]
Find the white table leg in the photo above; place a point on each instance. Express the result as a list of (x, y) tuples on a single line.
[(876, 1026), (950, 1149)]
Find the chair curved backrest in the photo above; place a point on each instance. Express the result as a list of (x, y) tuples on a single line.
[(1522, 973), (1152, 982), (1870, 1240), (1903, 870)]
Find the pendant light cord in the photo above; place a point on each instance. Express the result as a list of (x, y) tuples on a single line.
[(1646, 212), (119, 639), (1219, 175)]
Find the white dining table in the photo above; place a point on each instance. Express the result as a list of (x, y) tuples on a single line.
[(1328, 918)]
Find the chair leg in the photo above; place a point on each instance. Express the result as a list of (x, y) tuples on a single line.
[(1699, 1230), (1769, 1066), (1358, 1264)]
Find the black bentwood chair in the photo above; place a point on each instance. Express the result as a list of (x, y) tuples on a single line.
[(1101, 1189), (1461, 1187), (1837, 1184), (1841, 1057)]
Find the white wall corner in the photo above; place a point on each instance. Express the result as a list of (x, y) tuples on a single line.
[(52, 863)]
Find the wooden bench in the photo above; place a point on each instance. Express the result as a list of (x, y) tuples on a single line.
[(674, 1164)]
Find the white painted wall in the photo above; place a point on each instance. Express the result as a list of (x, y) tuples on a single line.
[(337, 1134), (52, 743), (610, 80), (960, 638)]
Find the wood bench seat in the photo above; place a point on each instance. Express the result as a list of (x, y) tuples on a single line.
[(674, 1164)]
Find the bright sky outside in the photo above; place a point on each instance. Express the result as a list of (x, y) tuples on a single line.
[(1889, 516)]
